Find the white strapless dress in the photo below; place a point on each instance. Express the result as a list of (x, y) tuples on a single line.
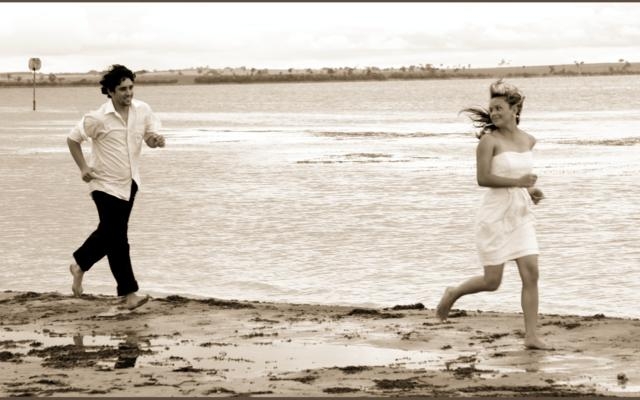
[(505, 224)]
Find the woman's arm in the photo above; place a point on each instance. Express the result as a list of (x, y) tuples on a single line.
[(484, 155)]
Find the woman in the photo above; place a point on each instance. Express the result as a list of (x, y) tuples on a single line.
[(505, 226)]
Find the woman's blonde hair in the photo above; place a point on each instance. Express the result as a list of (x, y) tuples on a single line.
[(480, 116)]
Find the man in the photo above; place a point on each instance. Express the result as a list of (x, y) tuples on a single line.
[(116, 130)]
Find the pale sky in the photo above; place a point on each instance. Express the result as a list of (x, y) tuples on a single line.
[(78, 37)]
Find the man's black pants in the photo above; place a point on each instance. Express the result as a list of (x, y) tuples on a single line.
[(111, 240)]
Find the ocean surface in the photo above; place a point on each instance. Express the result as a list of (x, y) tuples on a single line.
[(359, 193)]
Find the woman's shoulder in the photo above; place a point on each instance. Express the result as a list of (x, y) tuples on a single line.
[(529, 138), (532, 140), (491, 139), (488, 143)]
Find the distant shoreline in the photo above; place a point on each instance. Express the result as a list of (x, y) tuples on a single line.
[(243, 75)]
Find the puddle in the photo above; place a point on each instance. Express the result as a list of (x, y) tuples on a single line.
[(256, 359), (251, 359), (58, 350), (607, 383), (588, 370), (25, 341), (538, 361)]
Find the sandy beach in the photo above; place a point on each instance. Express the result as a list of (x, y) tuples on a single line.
[(55, 344)]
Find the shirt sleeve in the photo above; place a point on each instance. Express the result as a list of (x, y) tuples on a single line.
[(152, 123), (84, 129)]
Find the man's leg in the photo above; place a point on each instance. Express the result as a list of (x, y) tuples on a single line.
[(94, 248), (118, 252), (110, 239), (78, 274), (117, 247)]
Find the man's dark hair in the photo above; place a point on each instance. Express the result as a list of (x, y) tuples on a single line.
[(116, 74)]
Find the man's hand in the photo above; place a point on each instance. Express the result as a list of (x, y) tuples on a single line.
[(536, 194), (154, 140), (87, 174)]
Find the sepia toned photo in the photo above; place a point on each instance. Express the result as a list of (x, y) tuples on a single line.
[(319, 199)]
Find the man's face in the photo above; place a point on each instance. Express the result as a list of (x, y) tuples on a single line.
[(123, 93)]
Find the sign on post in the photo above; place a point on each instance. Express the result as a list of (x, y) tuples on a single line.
[(34, 65)]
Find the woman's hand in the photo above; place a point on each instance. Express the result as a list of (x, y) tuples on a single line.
[(536, 194), (527, 180)]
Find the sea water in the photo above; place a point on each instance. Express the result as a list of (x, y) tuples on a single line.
[(358, 193)]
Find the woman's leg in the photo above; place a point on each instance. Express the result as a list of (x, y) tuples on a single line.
[(488, 282), (528, 268)]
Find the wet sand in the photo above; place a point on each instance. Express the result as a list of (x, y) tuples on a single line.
[(55, 344)]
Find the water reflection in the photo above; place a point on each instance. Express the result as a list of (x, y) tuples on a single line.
[(529, 360), (126, 353)]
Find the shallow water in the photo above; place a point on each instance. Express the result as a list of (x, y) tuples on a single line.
[(274, 356), (357, 193)]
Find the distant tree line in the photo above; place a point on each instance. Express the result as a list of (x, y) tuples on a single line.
[(244, 75), (427, 71), (53, 81), (206, 75)]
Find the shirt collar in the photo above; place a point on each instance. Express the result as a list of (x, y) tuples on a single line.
[(110, 109)]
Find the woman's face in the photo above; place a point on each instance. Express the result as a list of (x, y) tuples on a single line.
[(501, 113)]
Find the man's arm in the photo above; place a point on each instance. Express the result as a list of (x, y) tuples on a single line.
[(75, 149), (151, 127)]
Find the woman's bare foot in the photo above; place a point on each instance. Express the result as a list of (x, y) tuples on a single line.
[(134, 301), (442, 311), (533, 343), (77, 273)]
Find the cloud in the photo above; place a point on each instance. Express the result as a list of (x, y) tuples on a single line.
[(77, 36)]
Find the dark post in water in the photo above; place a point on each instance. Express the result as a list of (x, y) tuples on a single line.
[(34, 65)]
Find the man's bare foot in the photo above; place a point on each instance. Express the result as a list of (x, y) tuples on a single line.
[(442, 311), (533, 343), (134, 301), (77, 273)]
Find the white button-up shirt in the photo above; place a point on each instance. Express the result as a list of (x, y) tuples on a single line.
[(115, 145)]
